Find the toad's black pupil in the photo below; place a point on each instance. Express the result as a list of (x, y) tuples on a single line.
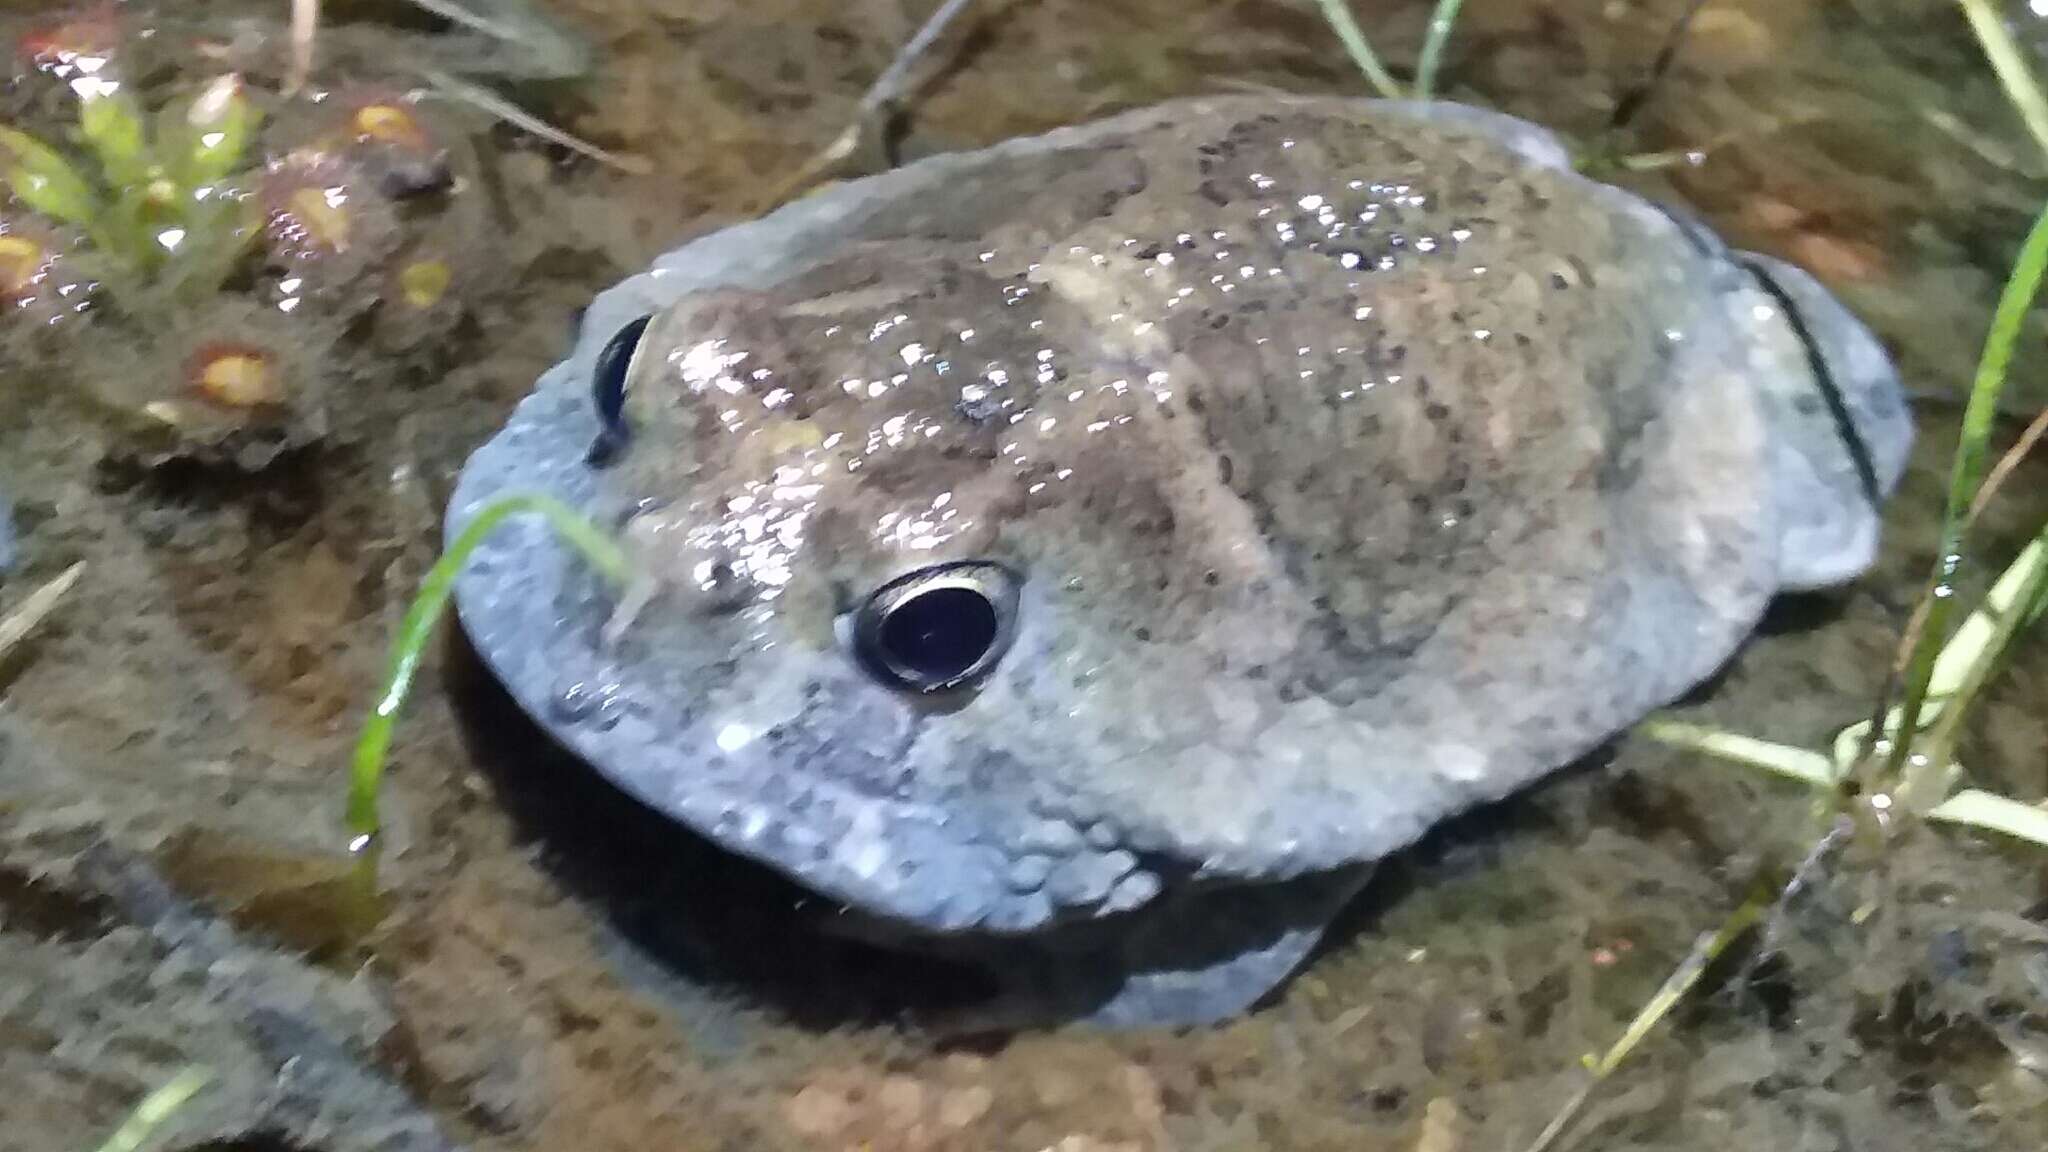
[(608, 389), (939, 635)]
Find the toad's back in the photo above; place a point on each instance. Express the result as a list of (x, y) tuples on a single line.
[(1356, 464), (1319, 467)]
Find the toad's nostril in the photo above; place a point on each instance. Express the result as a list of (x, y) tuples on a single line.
[(938, 628)]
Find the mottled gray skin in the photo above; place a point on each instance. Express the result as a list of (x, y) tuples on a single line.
[(1361, 462)]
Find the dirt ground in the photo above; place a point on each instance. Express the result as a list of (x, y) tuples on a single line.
[(559, 970)]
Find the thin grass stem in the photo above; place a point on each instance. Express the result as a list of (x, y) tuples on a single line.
[(1707, 949), (1338, 13), (1801, 764), (16, 626), (478, 96), (2010, 63), (160, 1105), (1974, 809), (1965, 476), (367, 766), (1441, 20), (2006, 610), (2006, 463)]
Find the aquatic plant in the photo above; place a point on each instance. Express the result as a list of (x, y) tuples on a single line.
[(884, 91), (16, 625), (1338, 13), (366, 771), (548, 54), (159, 207), (1903, 760), (208, 261), (1907, 757), (1442, 18), (160, 1105), (2008, 60), (1711, 946)]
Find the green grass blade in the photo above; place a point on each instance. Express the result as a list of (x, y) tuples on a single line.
[(1967, 473), (1985, 632), (2009, 61), (1441, 21), (367, 766), (1707, 949), (1974, 652), (1801, 764), (1338, 13), (1994, 813), (16, 625), (157, 1107)]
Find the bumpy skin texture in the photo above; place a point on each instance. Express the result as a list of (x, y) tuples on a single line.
[(1360, 462)]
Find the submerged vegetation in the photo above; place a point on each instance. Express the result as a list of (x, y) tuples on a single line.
[(160, 1105), (366, 774), (255, 242), (161, 207)]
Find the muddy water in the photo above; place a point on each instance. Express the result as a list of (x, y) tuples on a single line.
[(557, 970)]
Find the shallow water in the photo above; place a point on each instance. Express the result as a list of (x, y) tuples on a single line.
[(558, 970)]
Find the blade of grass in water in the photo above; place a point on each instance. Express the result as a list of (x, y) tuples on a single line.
[(367, 767), (1965, 476), (454, 87), (16, 625), (2009, 608), (2010, 63), (1441, 21), (1705, 951), (1338, 13), (887, 89), (1996, 813), (157, 1107), (1803, 765)]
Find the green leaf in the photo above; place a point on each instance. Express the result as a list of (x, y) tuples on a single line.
[(112, 125), (45, 182), (216, 133)]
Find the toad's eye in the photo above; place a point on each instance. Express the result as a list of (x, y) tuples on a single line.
[(608, 390), (938, 628)]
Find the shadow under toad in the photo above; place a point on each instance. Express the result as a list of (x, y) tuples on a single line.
[(693, 923)]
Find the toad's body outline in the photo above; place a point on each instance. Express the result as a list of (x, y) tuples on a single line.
[(1237, 672)]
